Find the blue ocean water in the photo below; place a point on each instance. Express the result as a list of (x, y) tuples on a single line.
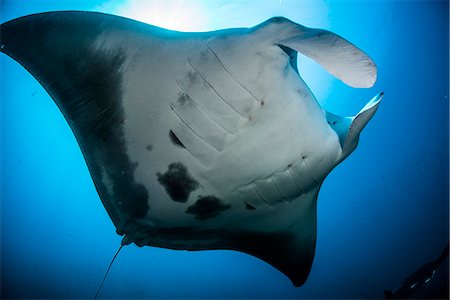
[(382, 213)]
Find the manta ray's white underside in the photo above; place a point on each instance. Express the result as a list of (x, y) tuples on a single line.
[(199, 140)]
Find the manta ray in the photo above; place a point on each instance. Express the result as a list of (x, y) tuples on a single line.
[(417, 282), (199, 140)]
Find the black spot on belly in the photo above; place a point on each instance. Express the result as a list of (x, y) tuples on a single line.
[(207, 207), (249, 207), (149, 148), (174, 139), (178, 182)]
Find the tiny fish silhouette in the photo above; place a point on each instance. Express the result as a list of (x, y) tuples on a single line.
[(199, 141)]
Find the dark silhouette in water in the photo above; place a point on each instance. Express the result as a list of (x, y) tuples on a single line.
[(421, 277)]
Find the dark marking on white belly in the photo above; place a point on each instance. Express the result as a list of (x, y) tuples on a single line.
[(178, 182), (207, 207)]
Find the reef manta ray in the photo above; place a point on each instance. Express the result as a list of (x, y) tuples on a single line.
[(199, 141)]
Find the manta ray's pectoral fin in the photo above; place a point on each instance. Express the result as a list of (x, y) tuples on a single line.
[(338, 56), (289, 248), (85, 79), (287, 251), (286, 239), (348, 129), (290, 252)]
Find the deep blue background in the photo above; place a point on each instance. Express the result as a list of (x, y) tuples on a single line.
[(382, 213)]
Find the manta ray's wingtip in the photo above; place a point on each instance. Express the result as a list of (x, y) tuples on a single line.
[(298, 282)]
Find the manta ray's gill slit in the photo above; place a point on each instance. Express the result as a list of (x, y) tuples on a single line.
[(175, 140), (257, 193), (293, 179), (247, 194), (191, 129), (285, 185), (231, 75), (309, 170), (318, 166), (194, 145), (268, 192), (279, 185), (215, 91), (277, 189), (201, 123), (201, 108)]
